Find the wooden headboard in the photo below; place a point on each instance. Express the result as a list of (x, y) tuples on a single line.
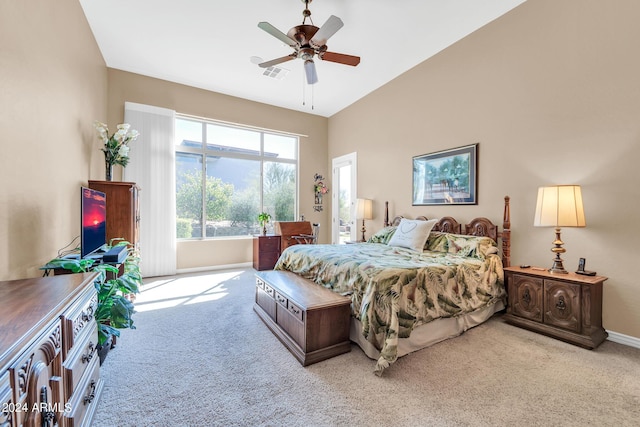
[(476, 227)]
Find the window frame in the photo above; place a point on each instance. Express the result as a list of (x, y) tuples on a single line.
[(203, 152)]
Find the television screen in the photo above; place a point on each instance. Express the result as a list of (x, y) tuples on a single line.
[(93, 233)]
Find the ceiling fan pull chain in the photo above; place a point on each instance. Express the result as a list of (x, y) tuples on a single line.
[(304, 95)]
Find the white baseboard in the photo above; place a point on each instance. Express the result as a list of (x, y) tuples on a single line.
[(214, 268), (624, 339)]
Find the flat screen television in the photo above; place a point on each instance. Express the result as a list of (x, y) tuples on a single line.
[(93, 217)]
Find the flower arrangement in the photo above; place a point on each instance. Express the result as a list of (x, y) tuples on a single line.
[(116, 146), (321, 188)]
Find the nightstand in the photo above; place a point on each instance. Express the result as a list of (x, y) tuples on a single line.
[(266, 251), (563, 306)]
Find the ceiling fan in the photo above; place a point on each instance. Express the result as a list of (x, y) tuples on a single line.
[(308, 41)]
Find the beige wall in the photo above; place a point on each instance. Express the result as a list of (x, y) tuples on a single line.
[(551, 93), (125, 86), (53, 84)]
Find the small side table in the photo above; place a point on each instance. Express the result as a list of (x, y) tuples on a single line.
[(563, 306), (266, 251)]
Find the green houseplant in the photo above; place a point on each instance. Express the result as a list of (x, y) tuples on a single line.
[(115, 308), (263, 220)]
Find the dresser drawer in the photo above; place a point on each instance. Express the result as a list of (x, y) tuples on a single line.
[(79, 317), (296, 311), (6, 400), (84, 351), (84, 401), (281, 299), (270, 244)]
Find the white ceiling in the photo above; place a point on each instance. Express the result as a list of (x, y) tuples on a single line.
[(208, 43)]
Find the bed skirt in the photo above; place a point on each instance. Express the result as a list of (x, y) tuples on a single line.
[(427, 334)]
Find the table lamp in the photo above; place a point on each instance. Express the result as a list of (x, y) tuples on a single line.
[(559, 206), (364, 210)]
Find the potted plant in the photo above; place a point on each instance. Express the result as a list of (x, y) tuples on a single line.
[(115, 293), (263, 220)]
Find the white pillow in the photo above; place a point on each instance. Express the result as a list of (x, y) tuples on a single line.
[(412, 233)]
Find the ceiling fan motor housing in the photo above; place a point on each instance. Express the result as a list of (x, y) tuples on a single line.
[(303, 33)]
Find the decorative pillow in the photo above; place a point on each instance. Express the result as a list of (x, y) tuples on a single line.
[(412, 234), (383, 236)]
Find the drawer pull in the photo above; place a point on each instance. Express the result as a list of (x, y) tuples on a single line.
[(295, 310), (89, 355), (281, 300), (92, 394), (526, 297), (561, 305), (88, 315)]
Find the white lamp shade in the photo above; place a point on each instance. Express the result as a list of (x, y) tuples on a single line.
[(559, 206), (364, 209)]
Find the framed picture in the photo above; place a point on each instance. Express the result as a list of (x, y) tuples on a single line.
[(446, 178)]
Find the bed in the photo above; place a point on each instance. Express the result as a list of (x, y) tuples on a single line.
[(406, 298)]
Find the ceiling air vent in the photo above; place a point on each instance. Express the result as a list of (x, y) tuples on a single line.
[(275, 72)]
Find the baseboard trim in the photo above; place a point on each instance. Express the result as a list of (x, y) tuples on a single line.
[(624, 339), (214, 267)]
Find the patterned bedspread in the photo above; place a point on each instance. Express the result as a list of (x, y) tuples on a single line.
[(393, 289)]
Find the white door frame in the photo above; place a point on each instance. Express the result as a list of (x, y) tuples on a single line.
[(337, 163)]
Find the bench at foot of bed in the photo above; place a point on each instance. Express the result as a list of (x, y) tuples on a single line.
[(311, 321)]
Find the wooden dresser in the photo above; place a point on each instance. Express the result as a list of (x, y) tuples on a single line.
[(564, 306), (123, 212), (49, 370), (266, 251), (311, 321)]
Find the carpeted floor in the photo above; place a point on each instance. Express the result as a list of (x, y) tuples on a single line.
[(200, 356)]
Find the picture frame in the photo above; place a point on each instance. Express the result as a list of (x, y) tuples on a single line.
[(446, 177)]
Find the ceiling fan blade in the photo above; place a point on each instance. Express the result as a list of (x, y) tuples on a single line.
[(310, 71), (328, 29), (340, 58), (277, 33), (276, 61)]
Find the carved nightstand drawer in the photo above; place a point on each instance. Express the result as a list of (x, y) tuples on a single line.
[(525, 297), (562, 305)]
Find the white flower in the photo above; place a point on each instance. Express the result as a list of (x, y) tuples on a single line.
[(124, 151), (116, 146)]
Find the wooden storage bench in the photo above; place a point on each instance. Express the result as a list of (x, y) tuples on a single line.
[(311, 321)]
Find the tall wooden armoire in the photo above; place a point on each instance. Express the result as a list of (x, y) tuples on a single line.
[(123, 214)]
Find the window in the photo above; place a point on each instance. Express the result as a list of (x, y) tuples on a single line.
[(227, 175)]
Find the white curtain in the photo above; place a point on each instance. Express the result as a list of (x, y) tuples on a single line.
[(152, 168)]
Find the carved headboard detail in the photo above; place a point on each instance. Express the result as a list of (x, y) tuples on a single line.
[(477, 227)]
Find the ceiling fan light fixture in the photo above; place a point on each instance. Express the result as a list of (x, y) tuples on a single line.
[(310, 71)]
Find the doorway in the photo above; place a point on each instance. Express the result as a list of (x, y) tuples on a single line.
[(344, 179)]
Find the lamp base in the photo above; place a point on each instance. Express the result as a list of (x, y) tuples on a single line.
[(363, 231), (558, 267)]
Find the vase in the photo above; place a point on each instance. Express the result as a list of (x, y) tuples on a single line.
[(108, 171), (264, 230)]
